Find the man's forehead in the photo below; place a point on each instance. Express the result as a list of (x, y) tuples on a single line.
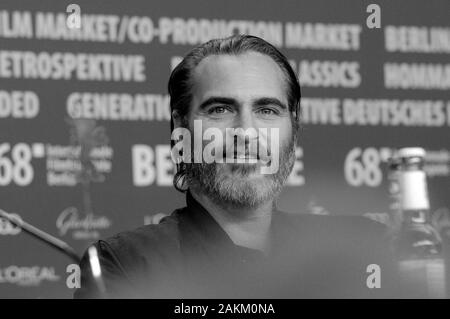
[(226, 74)]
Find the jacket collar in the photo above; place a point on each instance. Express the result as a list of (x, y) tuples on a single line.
[(199, 228)]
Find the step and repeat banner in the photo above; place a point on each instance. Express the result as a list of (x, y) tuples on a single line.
[(85, 118)]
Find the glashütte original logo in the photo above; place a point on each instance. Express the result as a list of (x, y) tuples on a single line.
[(82, 226), (27, 276)]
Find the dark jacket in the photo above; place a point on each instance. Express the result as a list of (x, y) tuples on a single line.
[(188, 255)]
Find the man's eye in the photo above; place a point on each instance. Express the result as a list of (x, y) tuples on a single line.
[(218, 110), (267, 111)]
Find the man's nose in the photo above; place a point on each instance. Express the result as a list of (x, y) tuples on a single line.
[(245, 127), (245, 119)]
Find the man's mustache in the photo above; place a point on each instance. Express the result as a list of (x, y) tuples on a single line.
[(247, 152)]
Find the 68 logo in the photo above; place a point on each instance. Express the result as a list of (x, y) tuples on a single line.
[(362, 167)]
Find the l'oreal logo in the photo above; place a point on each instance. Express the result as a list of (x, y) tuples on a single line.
[(27, 276)]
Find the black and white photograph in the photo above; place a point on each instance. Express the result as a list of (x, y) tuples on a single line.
[(224, 155)]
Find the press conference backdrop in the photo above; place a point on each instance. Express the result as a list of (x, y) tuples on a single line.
[(84, 113)]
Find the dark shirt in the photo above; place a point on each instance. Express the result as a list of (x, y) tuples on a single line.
[(188, 255)]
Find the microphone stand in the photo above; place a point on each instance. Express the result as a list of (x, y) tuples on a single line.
[(42, 236), (62, 247)]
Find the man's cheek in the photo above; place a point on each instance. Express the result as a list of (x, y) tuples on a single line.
[(273, 145)]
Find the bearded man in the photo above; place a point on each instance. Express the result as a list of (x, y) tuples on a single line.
[(230, 240)]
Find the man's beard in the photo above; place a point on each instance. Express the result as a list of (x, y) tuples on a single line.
[(235, 190)]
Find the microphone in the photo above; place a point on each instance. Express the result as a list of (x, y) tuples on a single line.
[(96, 270), (50, 240)]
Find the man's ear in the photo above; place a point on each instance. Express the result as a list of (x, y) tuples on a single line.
[(176, 119)]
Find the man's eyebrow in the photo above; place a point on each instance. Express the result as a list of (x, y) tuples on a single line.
[(268, 101), (217, 100), (230, 101)]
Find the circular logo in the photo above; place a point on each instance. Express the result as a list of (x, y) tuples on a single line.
[(8, 228)]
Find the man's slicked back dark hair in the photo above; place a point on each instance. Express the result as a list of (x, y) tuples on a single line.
[(180, 81)]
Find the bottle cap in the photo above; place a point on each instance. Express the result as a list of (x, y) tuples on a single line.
[(411, 152)]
